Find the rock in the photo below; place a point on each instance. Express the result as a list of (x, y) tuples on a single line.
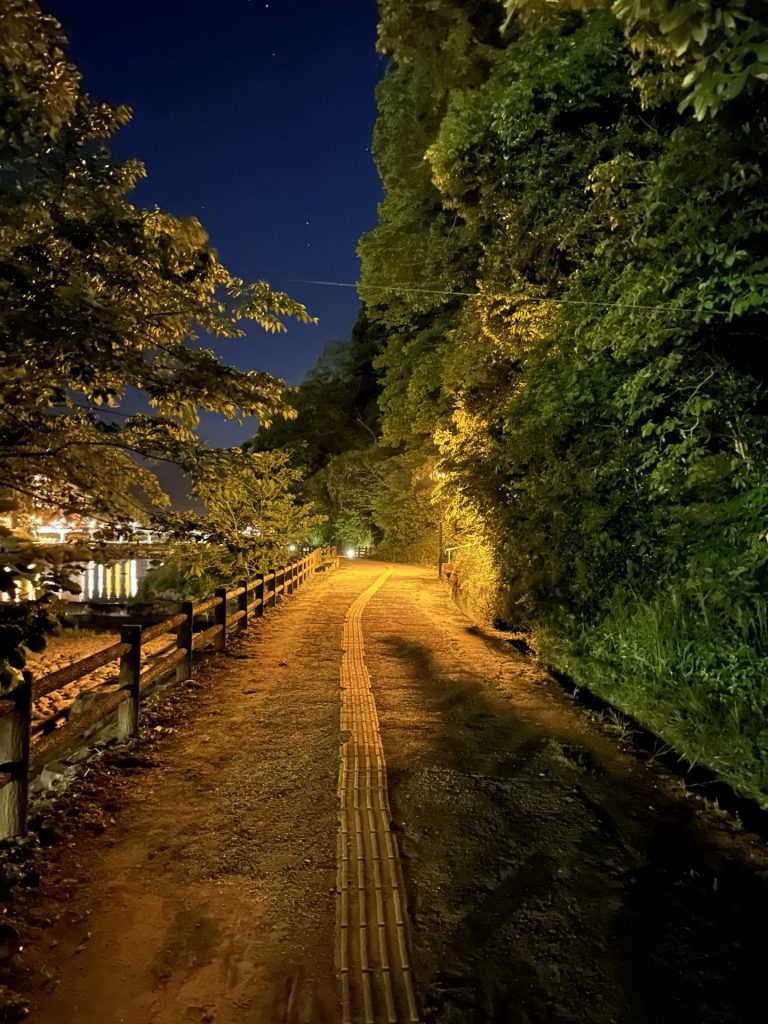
[(54, 775), (47, 832)]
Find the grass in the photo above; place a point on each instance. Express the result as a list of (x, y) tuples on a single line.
[(693, 677)]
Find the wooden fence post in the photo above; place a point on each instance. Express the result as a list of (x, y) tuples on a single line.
[(259, 594), (242, 604), (129, 683), (184, 641), (273, 598), (282, 580), (220, 619), (14, 758)]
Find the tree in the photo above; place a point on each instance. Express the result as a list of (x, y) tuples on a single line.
[(701, 52), (336, 423), (98, 296), (335, 407), (252, 519), (572, 273), (352, 530)]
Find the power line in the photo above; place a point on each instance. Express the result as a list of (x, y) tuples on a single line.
[(383, 287), (522, 301)]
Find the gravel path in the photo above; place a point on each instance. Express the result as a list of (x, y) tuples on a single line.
[(552, 877), (212, 896)]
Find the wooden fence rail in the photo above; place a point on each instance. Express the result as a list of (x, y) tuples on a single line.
[(19, 757)]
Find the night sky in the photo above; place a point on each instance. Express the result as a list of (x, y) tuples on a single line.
[(256, 118)]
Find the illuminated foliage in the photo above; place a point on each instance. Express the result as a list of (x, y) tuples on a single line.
[(336, 423), (98, 296), (707, 52), (252, 520), (579, 335)]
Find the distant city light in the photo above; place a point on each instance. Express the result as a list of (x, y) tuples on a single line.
[(291, 547)]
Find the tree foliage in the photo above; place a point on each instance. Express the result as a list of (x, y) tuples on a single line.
[(706, 53), (252, 520), (578, 337), (334, 409), (333, 438), (99, 297)]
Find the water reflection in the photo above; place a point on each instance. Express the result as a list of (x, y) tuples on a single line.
[(100, 583), (111, 583)]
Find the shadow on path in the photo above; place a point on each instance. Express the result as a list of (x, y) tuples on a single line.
[(553, 881)]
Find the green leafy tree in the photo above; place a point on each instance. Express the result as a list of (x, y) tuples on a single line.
[(252, 520), (335, 428), (335, 408), (352, 529), (587, 364), (98, 296), (706, 52)]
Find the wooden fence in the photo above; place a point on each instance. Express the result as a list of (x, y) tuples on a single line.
[(231, 609)]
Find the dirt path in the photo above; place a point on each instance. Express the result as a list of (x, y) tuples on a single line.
[(211, 898), (552, 877)]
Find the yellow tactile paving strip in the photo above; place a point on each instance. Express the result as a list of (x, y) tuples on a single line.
[(371, 928)]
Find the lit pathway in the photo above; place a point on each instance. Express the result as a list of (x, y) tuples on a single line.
[(371, 928), (551, 875)]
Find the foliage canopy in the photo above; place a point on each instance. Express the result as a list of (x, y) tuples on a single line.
[(100, 299)]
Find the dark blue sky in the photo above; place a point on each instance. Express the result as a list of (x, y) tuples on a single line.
[(256, 118)]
